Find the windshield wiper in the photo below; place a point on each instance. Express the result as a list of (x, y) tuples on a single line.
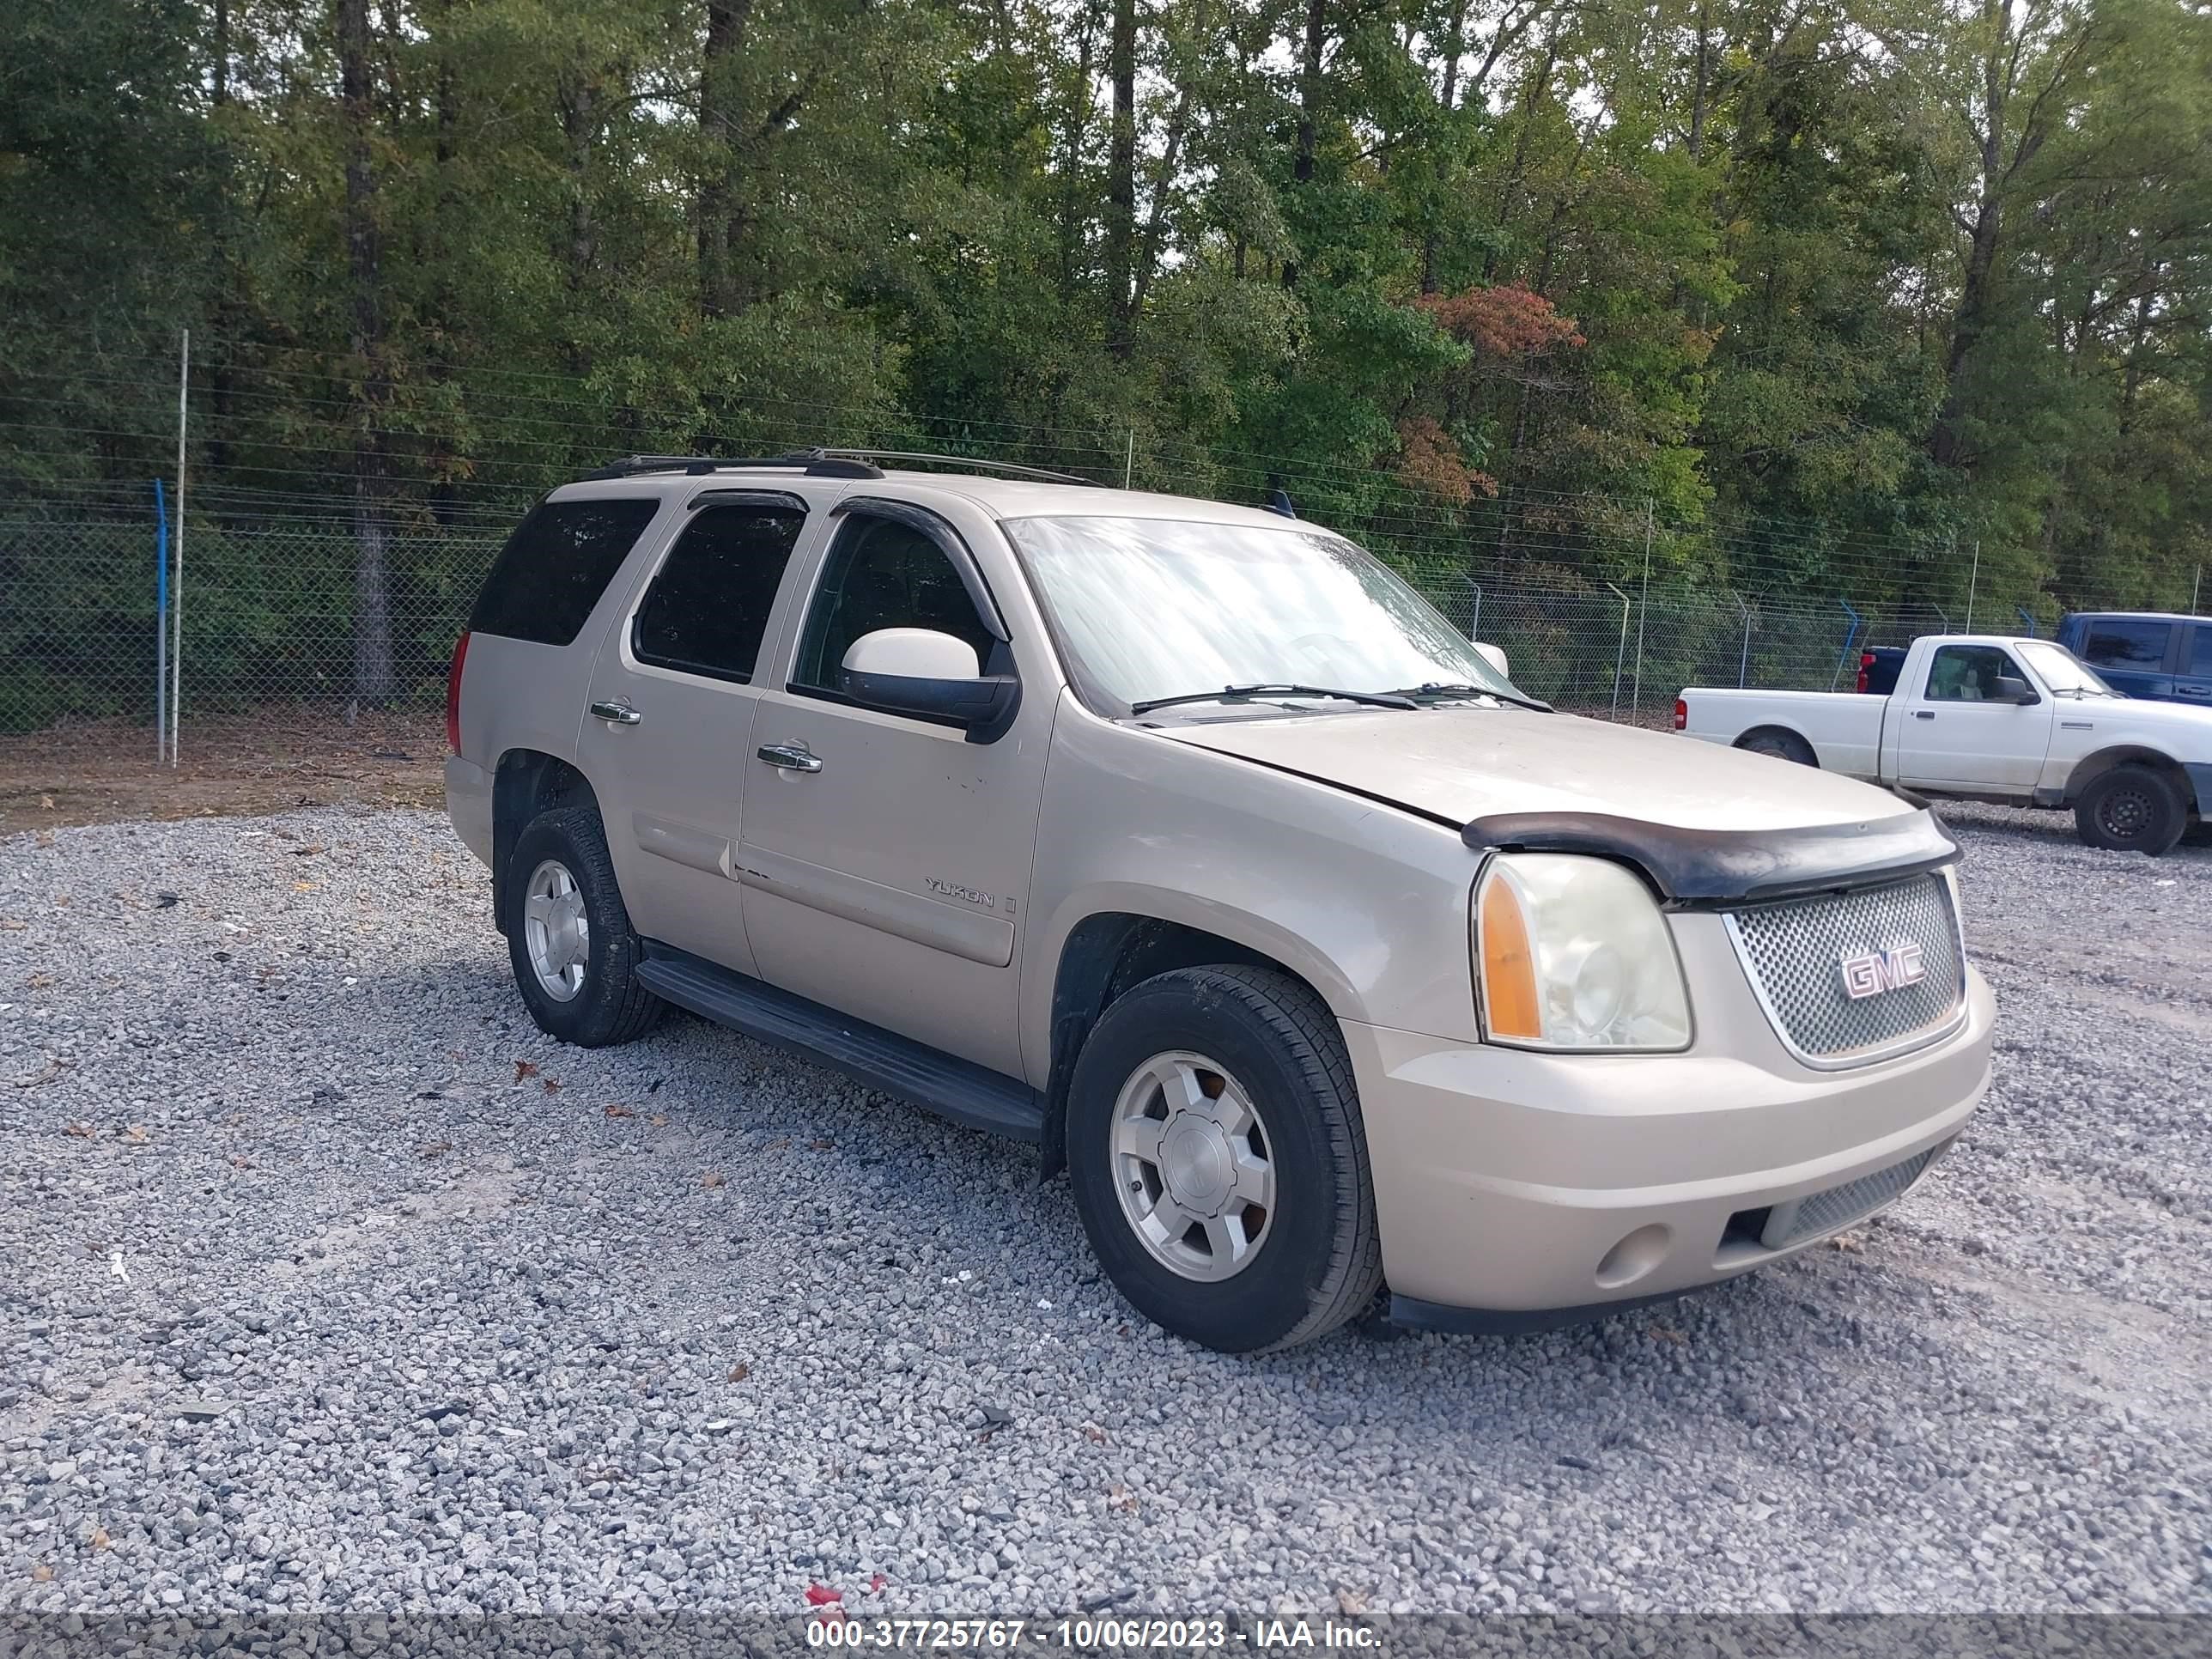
[(1235, 693), (1460, 688)]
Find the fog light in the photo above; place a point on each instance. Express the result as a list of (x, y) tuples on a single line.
[(1634, 1257)]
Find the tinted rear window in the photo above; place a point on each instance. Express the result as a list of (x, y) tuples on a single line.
[(2139, 645), (2200, 660), (555, 567)]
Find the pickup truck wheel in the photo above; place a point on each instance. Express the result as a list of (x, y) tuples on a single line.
[(1783, 745), (574, 956), (2131, 809), (1218, 1161)]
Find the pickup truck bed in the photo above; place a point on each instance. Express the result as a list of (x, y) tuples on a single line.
[(1987, 717)]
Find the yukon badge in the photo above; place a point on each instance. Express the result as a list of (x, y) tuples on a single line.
[(1869, 973)]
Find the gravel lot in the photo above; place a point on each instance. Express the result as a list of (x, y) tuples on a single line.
[(330, 1283)]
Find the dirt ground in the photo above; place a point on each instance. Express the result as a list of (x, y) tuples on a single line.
[(101, 771)]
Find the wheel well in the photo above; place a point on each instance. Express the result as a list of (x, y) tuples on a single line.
[(1796, 740), (1105, 958), (527, 782), (2087, 771)]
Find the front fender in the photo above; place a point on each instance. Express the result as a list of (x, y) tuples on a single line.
[(1364, 901)]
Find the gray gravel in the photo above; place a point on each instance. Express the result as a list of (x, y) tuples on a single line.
[(328, 1282)]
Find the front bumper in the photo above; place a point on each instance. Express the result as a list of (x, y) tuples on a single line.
[(1518, 1190)]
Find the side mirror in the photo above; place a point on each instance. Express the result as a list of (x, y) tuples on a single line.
[(2014, 691), (1494, 657), (931, 676)]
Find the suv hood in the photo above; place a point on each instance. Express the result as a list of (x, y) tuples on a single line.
[(1459, 764)]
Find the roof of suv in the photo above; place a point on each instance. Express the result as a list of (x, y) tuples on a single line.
[(1003, 498)]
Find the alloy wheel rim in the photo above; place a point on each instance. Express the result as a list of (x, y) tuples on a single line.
[(1192, 1165), (557, 930)]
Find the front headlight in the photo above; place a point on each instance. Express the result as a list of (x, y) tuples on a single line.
[(1572, 953)]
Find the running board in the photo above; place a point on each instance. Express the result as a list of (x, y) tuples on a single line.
[(957, 1089)]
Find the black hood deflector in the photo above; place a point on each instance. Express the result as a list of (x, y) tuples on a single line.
[(1709, 868)]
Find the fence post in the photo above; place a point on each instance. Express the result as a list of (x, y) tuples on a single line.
[(177, 593), (1849, 640), (1474, 627), (160, 622), (1643, 605), (1744, 667), (1621, 655), (1973, 582), (2195, 587)]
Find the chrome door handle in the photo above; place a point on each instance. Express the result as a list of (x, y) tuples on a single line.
[(791, 757), (616, 713)]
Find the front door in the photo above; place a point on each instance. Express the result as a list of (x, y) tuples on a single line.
[(1955, 735), (665, 739), (886, 859)]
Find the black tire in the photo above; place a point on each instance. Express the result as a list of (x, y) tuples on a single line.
[(2131, 809), (1317, 1261), (610, 1005), (1783, 745)]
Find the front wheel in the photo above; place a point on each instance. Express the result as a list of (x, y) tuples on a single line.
[(2131, 809), (1218, 1160)]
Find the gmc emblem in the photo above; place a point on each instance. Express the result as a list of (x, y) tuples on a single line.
[(1869, 973)]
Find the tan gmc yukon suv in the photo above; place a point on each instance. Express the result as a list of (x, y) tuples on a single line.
[(1187, 842)]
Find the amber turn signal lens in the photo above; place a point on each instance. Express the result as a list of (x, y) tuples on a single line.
[(1509, 969)]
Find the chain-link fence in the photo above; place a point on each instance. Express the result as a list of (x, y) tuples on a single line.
[(271, 607)]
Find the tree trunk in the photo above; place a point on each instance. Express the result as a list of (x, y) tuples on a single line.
[(1121, 182), (720, 213), (372, 621), (1078, 116), (1156, 222), (1946, 444), (1309, 91)]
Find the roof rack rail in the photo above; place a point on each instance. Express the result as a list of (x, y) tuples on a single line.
[(823, 463)]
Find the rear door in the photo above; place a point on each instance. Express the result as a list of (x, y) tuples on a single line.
[(1952, 735), (2134, 654), (2192, 679), (671, 712)]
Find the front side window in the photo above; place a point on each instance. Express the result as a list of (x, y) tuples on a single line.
[(1161, 608), (551, 574), (881, 573), (1968, 673), (2137, 645), (708, 610)]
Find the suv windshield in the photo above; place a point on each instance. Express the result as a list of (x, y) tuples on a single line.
[(2063, 672), (1152, 608)]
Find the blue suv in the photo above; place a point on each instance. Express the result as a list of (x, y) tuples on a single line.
[(2145, 653)]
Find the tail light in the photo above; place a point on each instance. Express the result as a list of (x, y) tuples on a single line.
[(453, 693), (1681, 714), (1866, 661)]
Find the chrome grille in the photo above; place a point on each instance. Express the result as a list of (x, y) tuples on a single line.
[(1794, 952), (1823, 1212)]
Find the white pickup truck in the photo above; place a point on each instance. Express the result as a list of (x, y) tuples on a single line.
[(1986, 717)]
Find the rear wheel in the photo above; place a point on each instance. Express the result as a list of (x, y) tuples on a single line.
[(574, 956), (2131, 809), (1783, 745), (1218, 1160)]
